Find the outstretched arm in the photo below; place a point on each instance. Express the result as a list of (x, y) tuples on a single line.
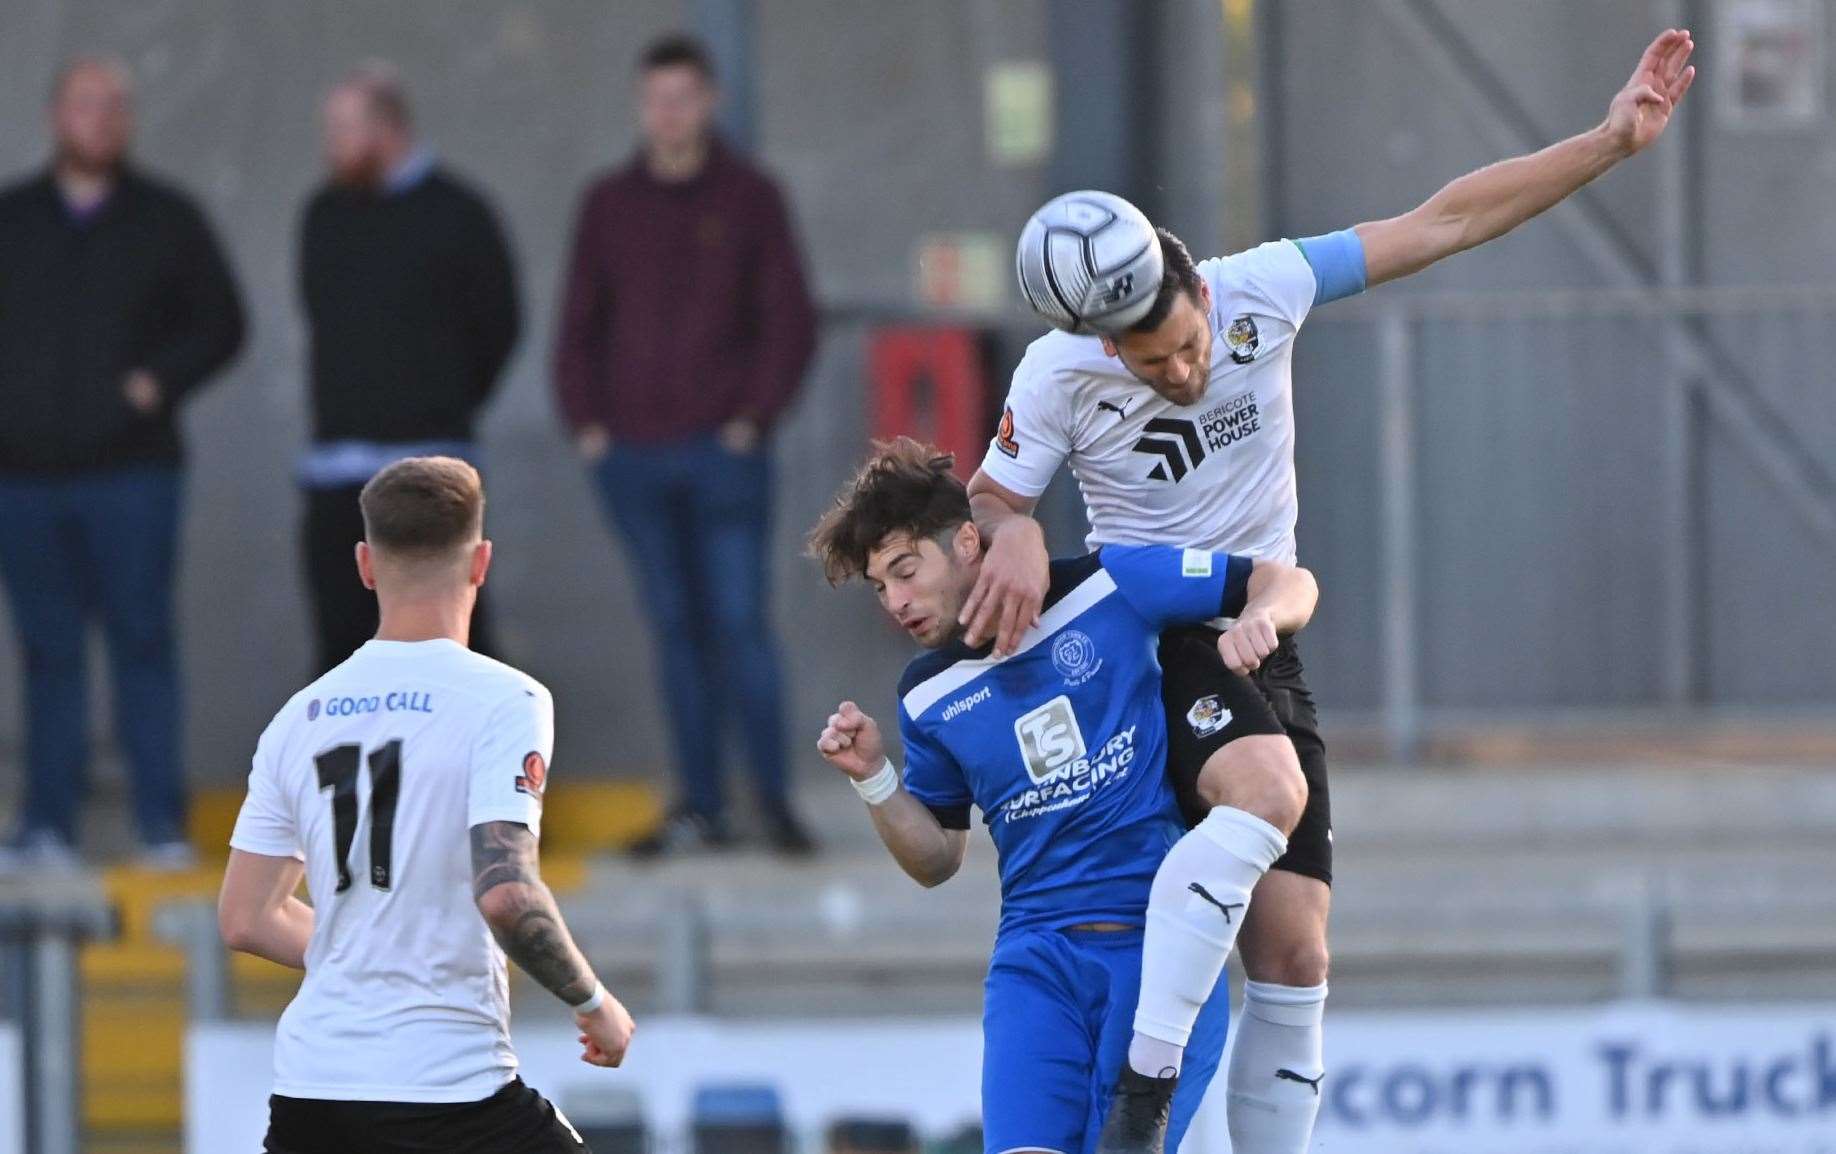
[(924, 849), (1486, 204)]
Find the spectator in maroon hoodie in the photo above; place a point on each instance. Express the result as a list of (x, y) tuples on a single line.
[(685, 331)]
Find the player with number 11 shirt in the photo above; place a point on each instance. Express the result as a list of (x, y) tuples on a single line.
[(406, 786)]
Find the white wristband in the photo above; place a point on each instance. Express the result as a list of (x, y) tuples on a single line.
[(880, 786), (593, 1003)]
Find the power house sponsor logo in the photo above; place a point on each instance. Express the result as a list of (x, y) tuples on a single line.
[(1064, 771), (1181, 445)]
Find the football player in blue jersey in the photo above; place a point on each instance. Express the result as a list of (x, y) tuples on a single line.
[(1062, 746)]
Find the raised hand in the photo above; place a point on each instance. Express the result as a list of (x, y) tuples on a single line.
[(1642, 109), (1010, 589), (852, 743)]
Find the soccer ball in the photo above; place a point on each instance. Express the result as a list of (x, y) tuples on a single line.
[(1089, 262)]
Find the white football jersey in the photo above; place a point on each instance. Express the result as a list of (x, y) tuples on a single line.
[(374, 775), (1217, 475)]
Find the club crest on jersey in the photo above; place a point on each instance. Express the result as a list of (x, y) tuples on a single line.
[(1075, 657), (1242, 340), (534, 777), (1004, 436), (1207, 716)]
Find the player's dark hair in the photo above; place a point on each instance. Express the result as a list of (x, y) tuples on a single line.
[(904, 488), (423, 506), (1179, 274), (676, 50)]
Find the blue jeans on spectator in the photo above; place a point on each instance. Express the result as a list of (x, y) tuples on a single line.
[(102, 542), (696, 519)]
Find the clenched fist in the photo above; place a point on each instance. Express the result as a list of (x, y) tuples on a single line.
[(851, 742), (1248, 642)]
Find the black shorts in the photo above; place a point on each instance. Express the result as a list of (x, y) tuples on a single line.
[(515, 1120), (1209, 707)]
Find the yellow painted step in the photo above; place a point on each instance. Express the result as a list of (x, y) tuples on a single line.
[(109, 966), (130, 1040), (579, 816), (134, 1108), (137, 893)]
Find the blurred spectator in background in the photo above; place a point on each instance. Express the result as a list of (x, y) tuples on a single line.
[(685, 331), (115, 305), (410, 299)]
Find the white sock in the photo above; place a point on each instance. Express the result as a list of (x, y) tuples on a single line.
[(1154, 1057), (1275, 1069), (1195, 909)]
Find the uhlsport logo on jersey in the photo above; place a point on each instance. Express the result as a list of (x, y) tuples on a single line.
[(1075, 657), (1182, 445), (1063, 770), (1050, 739), (1207, 716), (963, 705)]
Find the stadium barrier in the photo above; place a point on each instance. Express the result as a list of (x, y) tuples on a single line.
[(1644, 1077), (42, 924), (12, 1083)]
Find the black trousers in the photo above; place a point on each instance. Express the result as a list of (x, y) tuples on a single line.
[(515, 1120), (343, 611)]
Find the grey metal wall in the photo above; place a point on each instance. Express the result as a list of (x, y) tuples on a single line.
[(1541, 491)]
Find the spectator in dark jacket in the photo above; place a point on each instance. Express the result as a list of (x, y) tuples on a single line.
[(410, 296), (685, 332), (115, 306)]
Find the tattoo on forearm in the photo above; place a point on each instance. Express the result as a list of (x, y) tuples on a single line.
[(535, 938)]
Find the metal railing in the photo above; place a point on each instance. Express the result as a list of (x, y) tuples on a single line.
[(1731, 362), (1408, 403), (42, 925)]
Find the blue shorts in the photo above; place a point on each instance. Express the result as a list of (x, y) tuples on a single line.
[(1057, 1015)]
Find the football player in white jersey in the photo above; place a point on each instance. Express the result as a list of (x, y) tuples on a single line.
[(406, 786), (1180, 431)]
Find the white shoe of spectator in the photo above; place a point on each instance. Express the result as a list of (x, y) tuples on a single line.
[(38, 851), (168, 857)]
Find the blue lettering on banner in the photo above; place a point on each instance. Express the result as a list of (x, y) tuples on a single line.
[(1413, 1096), (1650, 1086)]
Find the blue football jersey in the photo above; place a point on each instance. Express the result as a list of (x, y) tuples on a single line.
[(1062, 746)]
